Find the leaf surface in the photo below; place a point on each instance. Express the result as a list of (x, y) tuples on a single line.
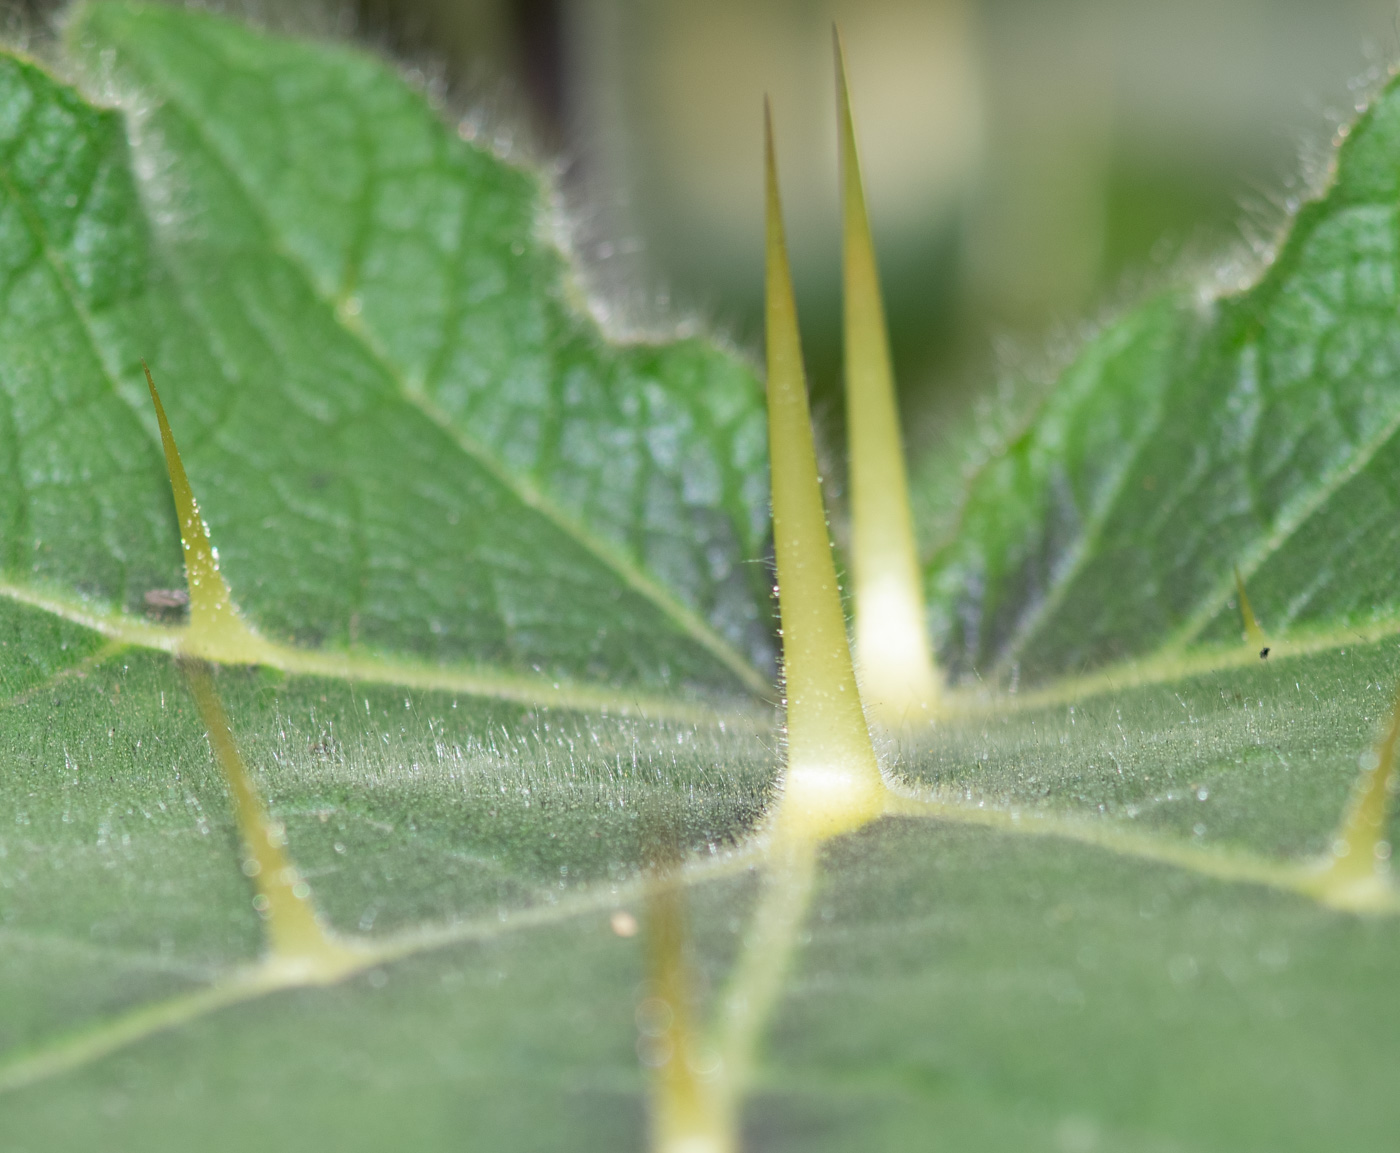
[(1091, 918)]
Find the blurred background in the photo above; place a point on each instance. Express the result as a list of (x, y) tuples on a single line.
[(1029, 163)]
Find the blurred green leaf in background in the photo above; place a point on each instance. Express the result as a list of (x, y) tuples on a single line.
[(1028, 161)]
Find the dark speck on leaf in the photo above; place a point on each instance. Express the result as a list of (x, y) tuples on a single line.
[(166, 604), (1264, 653)]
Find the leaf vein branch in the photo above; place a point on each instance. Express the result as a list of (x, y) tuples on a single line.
[(252, 982), (403, 673), (1235, 866)]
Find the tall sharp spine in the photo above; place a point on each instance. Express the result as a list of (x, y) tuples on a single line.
[(897, 673), (833, 780)]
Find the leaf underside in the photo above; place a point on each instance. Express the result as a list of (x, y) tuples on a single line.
[(412, 445)]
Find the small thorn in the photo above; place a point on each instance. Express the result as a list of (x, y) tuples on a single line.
[(1253, 634), (1356, 875), (897, 672), (832, 782), (295, 938), (216, 631)]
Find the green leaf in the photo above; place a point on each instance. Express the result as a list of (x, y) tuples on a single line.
[(397, 474), (1252, 428), (506, 567)]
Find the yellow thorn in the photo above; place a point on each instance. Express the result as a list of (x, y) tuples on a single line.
[(1253, 634), (897, 675), (832, 782), (689, 1114), (1356, 875), (216, 632), (296, 941)]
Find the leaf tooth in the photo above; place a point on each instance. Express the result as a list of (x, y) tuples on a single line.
[(216, 631), (1253, 635), (897, 674), (297, 943), (832, 782)]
